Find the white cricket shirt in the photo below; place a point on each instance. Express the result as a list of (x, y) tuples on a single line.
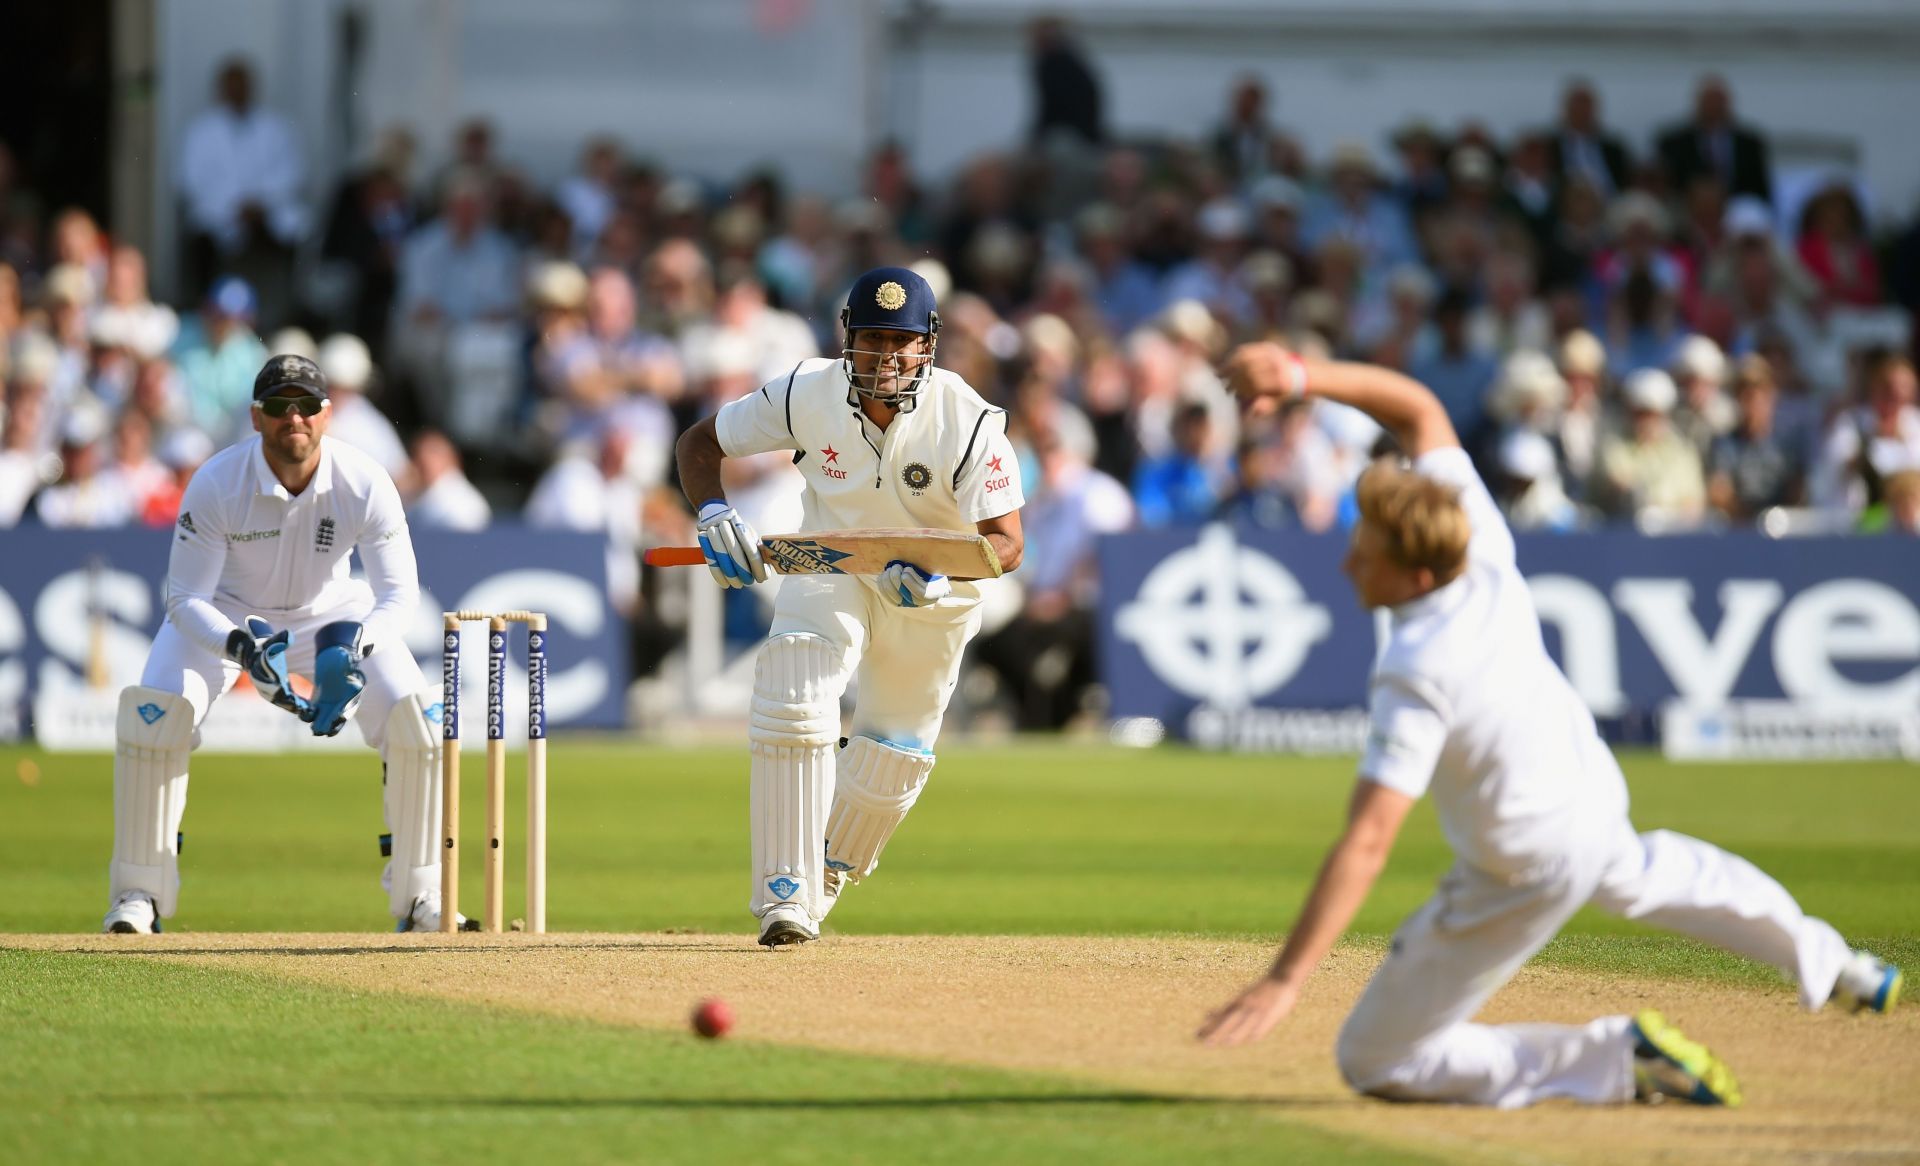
[(945, 465), (243, 542), (1467, 704)]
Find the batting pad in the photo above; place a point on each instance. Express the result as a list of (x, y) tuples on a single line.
[(876, 785), (797, 682), (412, 756), (153, 736)]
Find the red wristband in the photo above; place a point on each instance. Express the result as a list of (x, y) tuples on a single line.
[(1296, 374)]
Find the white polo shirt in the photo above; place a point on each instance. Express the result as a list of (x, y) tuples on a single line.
[(242, 542), (944, 465), (1467, 703)]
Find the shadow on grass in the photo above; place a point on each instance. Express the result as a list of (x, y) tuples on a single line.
[(983, 1101)]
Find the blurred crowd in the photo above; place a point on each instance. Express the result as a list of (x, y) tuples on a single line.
[(1623, 332)]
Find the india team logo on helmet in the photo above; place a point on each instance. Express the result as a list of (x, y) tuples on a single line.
[(889, 299)]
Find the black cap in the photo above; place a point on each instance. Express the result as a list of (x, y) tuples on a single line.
[(288, 371)]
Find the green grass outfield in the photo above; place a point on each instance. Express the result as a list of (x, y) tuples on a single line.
[(1044, 838)]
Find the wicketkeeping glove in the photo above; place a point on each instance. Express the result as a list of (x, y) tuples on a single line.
[(337, 679), (731, 546), (262, 652), (909, 586)]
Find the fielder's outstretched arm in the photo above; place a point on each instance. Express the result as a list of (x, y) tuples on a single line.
[(1373, 823), (1267, 373)]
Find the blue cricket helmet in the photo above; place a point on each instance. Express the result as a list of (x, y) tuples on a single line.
[(896, 299)]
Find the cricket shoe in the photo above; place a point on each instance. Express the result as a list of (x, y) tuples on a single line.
[(1667, 1064), (133, 913), (832, 882), (425, 916), (1868, 983), (787, 925)]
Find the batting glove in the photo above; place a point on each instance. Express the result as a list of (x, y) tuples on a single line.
[(262, 653), (909, 586), (731, 546)]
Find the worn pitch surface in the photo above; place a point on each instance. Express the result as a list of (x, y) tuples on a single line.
[(1121, 1012)]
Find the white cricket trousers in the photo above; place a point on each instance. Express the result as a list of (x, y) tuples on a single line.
[(1409, 1037), (905, 660)]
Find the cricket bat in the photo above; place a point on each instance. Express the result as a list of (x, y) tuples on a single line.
[(859, 552)]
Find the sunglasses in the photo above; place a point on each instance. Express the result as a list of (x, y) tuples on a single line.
[(278, 407)]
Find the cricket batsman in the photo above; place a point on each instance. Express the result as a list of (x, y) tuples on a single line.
[(884, 440), (1468, 707), (258, 583)]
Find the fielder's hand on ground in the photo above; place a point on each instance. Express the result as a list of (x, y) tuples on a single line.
[(262, 653), (909, 586), (732, 548), (1252, 1015), (337, 679)]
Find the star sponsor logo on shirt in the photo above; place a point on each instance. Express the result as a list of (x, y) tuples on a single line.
[(323, 536), (1002, 481), (830, 456), (917, 477)]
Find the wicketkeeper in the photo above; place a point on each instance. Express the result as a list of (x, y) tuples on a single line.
[(258, 583), (884, 440)]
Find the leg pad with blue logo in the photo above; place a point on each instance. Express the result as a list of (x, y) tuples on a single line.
[(876, 783), (411, 751), (152, 739), (794, 726)]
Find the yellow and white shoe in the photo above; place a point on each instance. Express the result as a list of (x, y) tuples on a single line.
[(1667, 1064)]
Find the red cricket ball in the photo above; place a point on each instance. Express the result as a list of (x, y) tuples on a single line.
[(713, 1018)]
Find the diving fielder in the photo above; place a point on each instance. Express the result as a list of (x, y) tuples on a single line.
[(259, 583), (1468, 706), (884, 440)]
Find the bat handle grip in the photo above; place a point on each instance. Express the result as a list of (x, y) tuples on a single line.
[(674, 557)]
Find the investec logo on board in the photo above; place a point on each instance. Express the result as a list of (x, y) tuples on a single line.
[(536, 685), (450, 685)]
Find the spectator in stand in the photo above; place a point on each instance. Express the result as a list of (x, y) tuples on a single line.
[(1530, 395), (678, 292), (79, 241), (126, 314), (890, 183), (1529, 487), (367, 234), (1302, 462), (1713, 143), (1184, 487), (1510, 319), (1528, 189), (1128, 291), (1638, 225), (1212, 276), (1356, 211), (182, 451), (1835, 250), (160, 394), (1650, 473), (66, 296), (353, 419), (590, 197), (1067, 97), (1245, 140), (1578, 237), (588, 489), (1761, 286), (24, 468), (241, 172), (1867, 445), (88, 494), (1458, 373), (1582, 146), (458, 268), (1422, 185), (1903, 503), (218, 356), (1044, 657), (1705, 412), (473, 157), (134, 467), (1643, 322), (778, 340), (441, 497), (1258, 501), (1755, 466)]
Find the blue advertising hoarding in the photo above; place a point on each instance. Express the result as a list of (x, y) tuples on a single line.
[(78, 609), (1218, 632)]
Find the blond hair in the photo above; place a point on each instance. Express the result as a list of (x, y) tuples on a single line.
[(1421, 520)]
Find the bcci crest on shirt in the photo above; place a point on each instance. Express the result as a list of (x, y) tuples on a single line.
[(917, 477)]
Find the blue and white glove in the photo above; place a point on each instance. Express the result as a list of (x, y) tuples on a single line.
[(731, 546), (909, 586), (262, 653), (337, 679)]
